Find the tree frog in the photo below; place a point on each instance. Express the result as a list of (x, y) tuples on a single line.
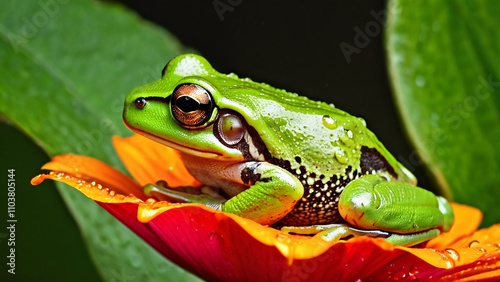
[(280, 159)]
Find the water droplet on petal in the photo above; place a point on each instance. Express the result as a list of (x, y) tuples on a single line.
[(453, 254), (413, 270), (391, 268), (214, 237), (473, 244)]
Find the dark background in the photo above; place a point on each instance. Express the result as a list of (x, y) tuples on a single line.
[(290, 45)]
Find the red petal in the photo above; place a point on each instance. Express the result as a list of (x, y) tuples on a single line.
[(219, 247)]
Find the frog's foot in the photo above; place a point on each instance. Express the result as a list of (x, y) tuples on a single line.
[(413, 239), (334, 232), (186, 194)]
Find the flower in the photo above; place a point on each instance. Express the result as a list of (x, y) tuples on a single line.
[(224, 247)]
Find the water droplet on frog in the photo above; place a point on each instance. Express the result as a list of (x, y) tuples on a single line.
[(341, 156), (349, 134), (362, 120), (420, 81), (452, 253), (329, 122)]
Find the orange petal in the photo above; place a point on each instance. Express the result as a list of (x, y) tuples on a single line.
[(148, 161), (90, 170), (467, 220), (453, 248), (93, 190)]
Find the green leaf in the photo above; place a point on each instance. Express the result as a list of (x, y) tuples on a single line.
[(66, 68), (444, 59)]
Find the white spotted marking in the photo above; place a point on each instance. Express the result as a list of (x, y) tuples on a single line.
[(310, 181), (190, 66)]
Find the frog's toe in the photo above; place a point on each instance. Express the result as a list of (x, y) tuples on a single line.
[(409, 240), (333, 232), (185, 195)]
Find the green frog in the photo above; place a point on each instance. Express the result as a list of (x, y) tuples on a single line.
[(280, 159)]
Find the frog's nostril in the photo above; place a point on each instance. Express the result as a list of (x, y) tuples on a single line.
[(140, 103)]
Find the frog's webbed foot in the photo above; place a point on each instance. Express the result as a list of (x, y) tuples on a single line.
[(205, 195), (334, 232)]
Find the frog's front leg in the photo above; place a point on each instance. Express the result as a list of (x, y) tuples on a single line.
[(271, 194)]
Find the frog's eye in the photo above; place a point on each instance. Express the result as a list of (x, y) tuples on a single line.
[(192, 105), (229, 129)]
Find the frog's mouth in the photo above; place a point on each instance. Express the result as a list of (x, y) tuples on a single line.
[(184, 149), (177, 146)]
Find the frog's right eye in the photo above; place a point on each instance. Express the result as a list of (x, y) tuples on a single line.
[(192, 105)]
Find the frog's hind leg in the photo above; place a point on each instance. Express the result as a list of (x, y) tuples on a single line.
[(401, 213), (409, 213)]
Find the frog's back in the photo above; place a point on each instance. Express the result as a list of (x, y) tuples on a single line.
[(324, 147)]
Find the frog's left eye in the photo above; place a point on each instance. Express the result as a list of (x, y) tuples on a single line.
[(192, 105)]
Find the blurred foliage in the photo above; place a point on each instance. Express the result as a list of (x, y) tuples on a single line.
[(444, 60), (66, 67)]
